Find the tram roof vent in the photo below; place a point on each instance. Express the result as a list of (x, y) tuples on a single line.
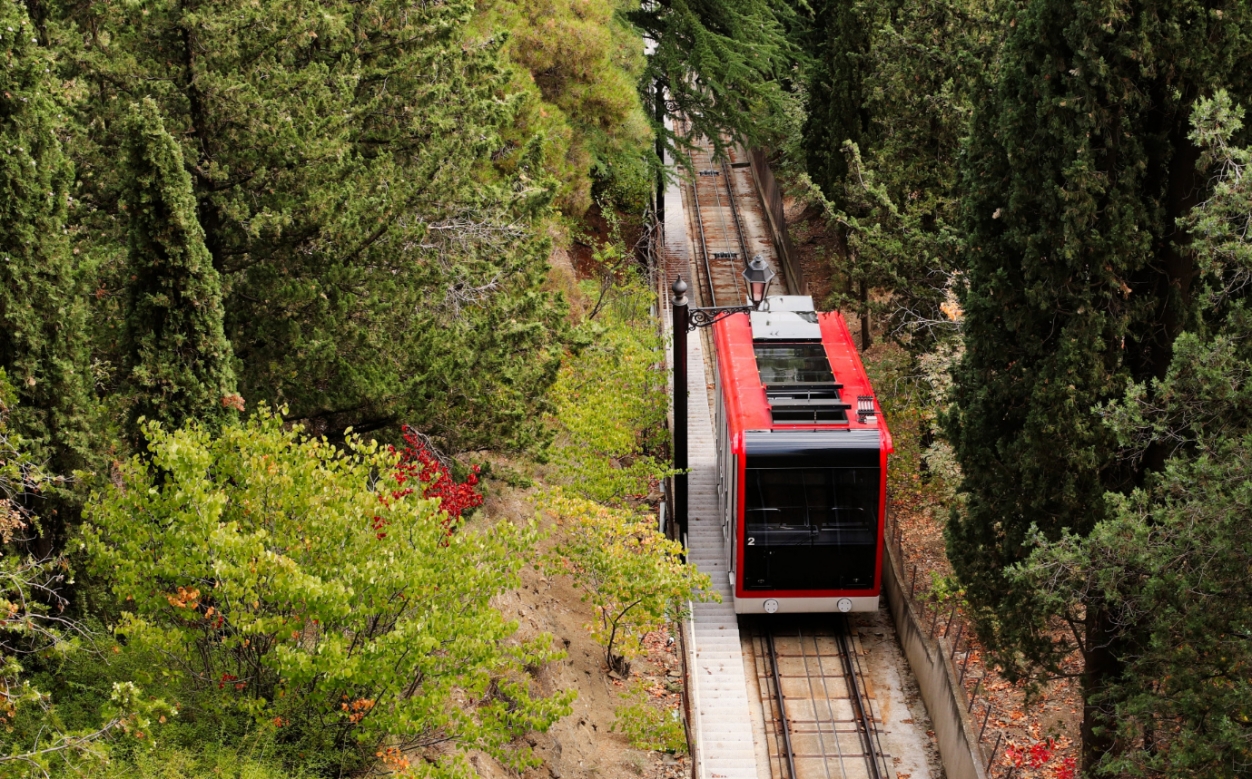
[(789, 303), (799, 404)]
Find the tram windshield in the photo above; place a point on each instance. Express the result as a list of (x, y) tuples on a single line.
[(810, 528)]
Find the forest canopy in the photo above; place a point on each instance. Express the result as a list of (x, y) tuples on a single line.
[(278, 278)]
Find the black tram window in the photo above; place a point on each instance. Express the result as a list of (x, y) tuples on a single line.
[(810, 528), (792, 363)]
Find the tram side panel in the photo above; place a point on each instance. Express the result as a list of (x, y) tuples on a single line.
[(725, 504)]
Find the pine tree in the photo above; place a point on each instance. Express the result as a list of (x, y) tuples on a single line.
[(43, 344), (1077, 169), (376, 237), (179, 361), (581, 62), (721, 66)]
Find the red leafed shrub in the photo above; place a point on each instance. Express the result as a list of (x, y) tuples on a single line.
[(420, 465), (418, 462)]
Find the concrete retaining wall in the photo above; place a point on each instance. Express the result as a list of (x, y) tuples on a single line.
[(936, 676)]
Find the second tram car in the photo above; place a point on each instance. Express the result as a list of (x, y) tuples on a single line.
[(802, 461)]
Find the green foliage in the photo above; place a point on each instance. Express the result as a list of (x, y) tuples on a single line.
[(610, 401), (648, 726), (914, 391), (29, 626), (1170, 561), (1218, 225), (178, 357), (839, 44), (1079, 283), (722, 66), (381, 249), (342, 209), (1171, 565), (890, 96), (579, 62), (37, 632), (43, 314), (41, 745), (217, 760), (20, 473), (633, 576), (296, 584)]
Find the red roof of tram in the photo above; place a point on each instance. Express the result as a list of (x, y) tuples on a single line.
[(747, 407)]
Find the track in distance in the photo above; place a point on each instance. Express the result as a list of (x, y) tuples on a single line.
[(722, 243)]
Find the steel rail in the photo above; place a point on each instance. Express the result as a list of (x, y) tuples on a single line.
[(785, 724), (729, 233), (734, 212), (725, 230), (813, 670), (830, 707), (704, 243), (866, 728)]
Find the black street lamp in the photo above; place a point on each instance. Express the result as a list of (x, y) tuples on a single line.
[(758, 274), (686, 320)]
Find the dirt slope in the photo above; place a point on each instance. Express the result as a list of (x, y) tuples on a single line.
[(582, 744)]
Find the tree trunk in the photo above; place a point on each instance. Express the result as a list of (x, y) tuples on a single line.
[(865, 335), (1101, 666)]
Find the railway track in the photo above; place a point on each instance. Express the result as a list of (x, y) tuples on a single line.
[(819, 719), (726, 227)]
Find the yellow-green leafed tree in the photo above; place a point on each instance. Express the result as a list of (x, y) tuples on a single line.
[(610, 403), (580, 64), (306, 587), (632, 575)]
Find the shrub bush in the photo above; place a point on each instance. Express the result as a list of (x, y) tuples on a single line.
[(610, 402), (308, 589), (633, 576)]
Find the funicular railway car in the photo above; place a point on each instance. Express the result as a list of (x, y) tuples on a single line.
[(802, 461)]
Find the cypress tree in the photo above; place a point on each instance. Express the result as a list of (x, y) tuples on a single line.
[(42, 310), (179, 361), (889, 99), (839, 45), (1076, 171)]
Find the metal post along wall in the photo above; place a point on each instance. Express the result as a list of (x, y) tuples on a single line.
[(680, 407)]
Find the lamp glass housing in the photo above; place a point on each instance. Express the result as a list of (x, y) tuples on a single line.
[(758, 275)]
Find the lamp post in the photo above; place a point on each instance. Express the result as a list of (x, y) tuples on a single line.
[(680, 407), (686, 319)]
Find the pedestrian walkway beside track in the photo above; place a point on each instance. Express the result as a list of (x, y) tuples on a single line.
[(718, 684)]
